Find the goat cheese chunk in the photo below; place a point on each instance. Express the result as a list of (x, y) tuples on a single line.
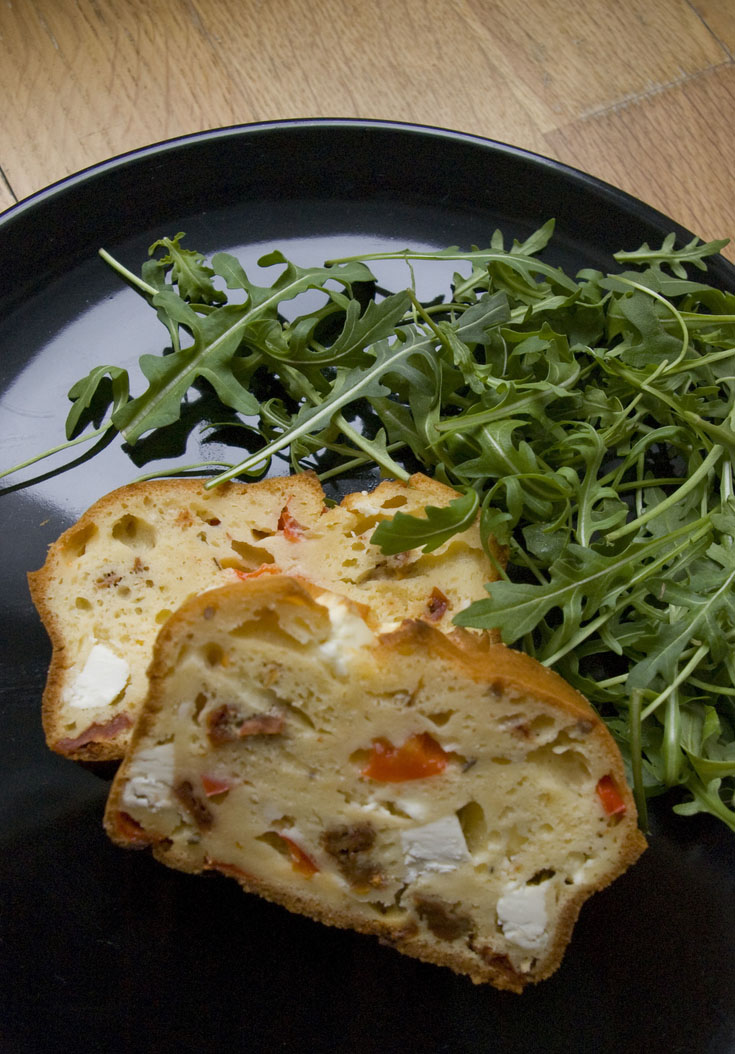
[(102, 679), (349, 634), (522, 915), (151, 779), (437, 847)]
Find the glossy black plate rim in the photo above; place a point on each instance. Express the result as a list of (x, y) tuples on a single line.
[(25, 252)]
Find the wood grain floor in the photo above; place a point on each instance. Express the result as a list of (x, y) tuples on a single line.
[(638, 92)]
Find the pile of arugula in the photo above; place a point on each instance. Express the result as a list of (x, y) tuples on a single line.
[(589, 419)]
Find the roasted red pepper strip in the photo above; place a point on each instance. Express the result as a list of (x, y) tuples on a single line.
[(609, 794), (96, 733), (292, 529), (419, 757), (228, 869), (300, 861), (212, 785), (264, 569), (131, 831)]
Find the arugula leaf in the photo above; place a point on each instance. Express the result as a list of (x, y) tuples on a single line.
[(188, 270), (426, 533), (83, 392), (695, 252)]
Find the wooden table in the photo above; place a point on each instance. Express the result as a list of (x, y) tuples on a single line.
[(638, 92)]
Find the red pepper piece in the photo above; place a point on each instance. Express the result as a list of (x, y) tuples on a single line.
[(292, 529), (212, 785), (609, 794), (131, 830), (300, 861), (419, 757), (264, 569), (96, 733), (228, 869)]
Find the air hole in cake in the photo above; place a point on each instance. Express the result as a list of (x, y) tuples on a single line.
[(76, 543), (163, 616), (82, 604), (568, 765), (207, 517), (440, 717), (515, 839), (525, 727), (396, 502), (213, 653), (544, 875), (395, 810), (199, 703), (274, 840), (252, 555), (262, 622), (542, 723), (474, 828), (258, 535), (123, 591), (134, 532), (363, 524), (574, 865)]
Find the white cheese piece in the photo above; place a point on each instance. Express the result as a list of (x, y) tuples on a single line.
[(390, 627), (434, 847), (150, 779), (349, 633), (102, 679), (367, 508), (417, 810), (522, 915)]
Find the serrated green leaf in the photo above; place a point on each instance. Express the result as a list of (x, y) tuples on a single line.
[(189, 271), (83, 392)]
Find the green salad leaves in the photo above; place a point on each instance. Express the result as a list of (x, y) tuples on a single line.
[(590, 419)]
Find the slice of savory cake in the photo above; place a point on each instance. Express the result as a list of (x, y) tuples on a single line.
[(459, 801), (113, 579)]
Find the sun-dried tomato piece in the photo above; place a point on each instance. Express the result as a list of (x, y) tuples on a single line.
[(437, 605), (194, 805), (96, 733), (227, 723)]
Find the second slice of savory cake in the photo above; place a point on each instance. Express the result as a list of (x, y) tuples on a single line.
[(459, 801), (113, 579)]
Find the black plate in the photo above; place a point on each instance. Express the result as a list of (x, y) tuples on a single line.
[(104, 950)]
